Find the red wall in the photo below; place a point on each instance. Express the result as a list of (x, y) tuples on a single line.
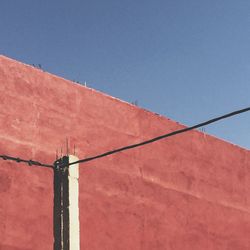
[(188, 192)]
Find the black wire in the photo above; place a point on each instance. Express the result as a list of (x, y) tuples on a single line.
[(36, 163), (29, 162), (161, 136)]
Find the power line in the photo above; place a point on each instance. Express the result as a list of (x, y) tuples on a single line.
[(36, 163), (29, 162), (161, 136)]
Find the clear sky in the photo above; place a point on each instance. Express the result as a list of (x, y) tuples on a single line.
[(187, 60)]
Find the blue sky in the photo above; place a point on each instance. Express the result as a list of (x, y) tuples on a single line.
[(187, 60)]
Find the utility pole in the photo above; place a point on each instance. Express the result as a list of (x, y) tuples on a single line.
[(66, 208)]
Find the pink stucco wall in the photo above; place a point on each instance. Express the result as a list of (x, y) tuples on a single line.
[(189, 192)]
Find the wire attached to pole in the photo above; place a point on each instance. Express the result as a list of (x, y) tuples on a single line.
[(36, 163), (162, 136), (29, 162)]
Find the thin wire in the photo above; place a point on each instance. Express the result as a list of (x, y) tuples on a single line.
[(29, 162), (161, 136)]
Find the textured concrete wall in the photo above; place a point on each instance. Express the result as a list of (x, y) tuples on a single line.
[(189, 192)]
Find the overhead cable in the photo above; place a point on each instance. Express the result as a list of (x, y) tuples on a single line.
[(29, 162), (161, 136)]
